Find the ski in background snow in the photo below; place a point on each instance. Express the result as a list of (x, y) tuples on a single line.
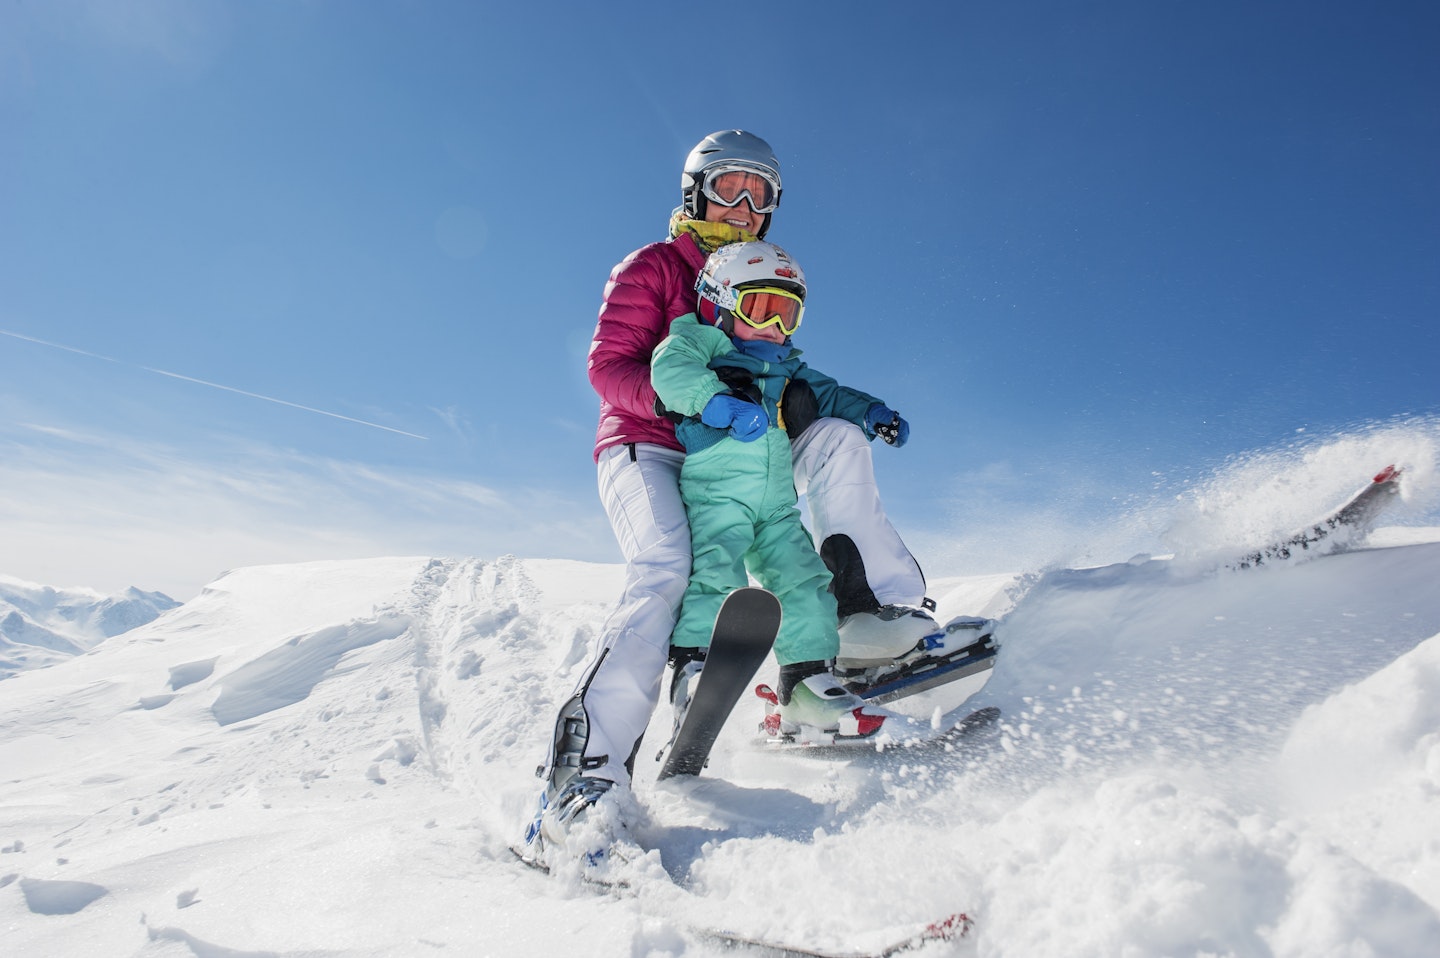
[(1348, 524), (950, 927)]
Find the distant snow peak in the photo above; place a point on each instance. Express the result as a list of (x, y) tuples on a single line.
[(41, 625)]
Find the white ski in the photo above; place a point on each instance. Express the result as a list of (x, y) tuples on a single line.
[(950, 927)]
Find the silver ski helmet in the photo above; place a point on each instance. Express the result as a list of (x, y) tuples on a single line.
[(735, 149), (731, 269)]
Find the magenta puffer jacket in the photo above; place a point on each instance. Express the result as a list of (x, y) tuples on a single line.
[(647, 289)]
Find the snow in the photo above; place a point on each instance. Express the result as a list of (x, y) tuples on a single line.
[(333, 759)]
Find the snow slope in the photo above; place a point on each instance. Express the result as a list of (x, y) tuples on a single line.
[(333, 759)]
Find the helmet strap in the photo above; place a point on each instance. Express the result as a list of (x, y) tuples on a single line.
[(712, 315)]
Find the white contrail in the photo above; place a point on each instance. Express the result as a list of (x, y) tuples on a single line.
[(202, 382)]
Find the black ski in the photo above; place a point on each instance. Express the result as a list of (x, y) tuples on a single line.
[(745, 630), (1354, 519)]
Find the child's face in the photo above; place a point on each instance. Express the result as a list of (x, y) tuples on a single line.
[(770, 334)]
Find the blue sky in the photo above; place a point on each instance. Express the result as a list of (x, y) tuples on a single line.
[(1090, 250)]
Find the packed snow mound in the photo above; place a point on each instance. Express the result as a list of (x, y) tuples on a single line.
[(337, 757), (41, 625), (1368, 757)]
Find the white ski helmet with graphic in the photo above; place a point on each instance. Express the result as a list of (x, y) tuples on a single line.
[(744, 264), (728, 148)]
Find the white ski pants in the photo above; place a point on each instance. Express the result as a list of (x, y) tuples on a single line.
[(835, 474), (640, 487)]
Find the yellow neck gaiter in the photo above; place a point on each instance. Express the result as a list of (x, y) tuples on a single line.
[(708, 236)]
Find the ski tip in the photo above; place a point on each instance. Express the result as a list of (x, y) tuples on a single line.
[(528, 858), (957, 925)]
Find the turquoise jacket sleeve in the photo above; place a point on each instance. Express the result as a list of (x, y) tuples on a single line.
[(680, 370)]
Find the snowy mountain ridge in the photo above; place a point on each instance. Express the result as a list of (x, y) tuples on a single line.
[(41, 625)]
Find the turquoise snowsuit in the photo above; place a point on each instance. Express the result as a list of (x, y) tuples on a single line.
[(740, 496)]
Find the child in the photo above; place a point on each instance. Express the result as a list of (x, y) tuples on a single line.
[(739, 391)]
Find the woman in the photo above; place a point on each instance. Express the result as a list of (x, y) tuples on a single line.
[(730, 188)]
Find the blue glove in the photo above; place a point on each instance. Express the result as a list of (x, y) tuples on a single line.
[(745, 420), (887, 424)]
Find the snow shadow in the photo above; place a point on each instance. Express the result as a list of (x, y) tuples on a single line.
[(288, 674), (731, 812), (60, 897)]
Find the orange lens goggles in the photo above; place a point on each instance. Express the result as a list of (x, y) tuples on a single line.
[(763, 306)]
